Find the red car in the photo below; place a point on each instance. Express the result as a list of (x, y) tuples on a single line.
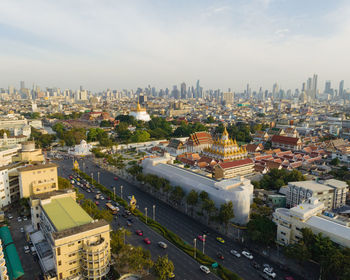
[(147, 241), (139, 232), (201, 238), (220, 256), (97, 203), (116, 178)]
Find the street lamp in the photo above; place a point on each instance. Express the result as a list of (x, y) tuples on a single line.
[(84, 167), (146, 214), (121, 191), (195, 247), (154, 212), (92, 177), (98, 176), (114, 193), (204, 236)]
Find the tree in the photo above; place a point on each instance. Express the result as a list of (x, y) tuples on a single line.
[(192, 199), (261, 229), (3, 131), (63, 183), (203, 195), (177, 194), (226, 213), (117, 239), (209, 207), (163, 267), (140, 136), (139, 259), (335, 161)]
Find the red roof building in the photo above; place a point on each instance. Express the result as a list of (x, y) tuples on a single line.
[(286, 143), (230, 169), (198, 141)]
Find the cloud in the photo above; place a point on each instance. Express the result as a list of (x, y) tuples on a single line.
[(126, 44)]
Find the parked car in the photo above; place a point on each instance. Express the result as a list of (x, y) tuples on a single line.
[(116, 178), (22, 229), (147, 241), (269, 273), (129, 224), (235, 253), (26, 249), (269, 267), (10, 216), (19, 219), (97, 203), (162, 245), (247, 255), (25, 218), (205, 269), (256, 265)]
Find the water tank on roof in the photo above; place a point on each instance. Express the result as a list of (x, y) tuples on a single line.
[(28, 146)]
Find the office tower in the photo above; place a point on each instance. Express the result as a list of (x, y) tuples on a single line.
[(81, 88), (327, 87), (274, 90), (314, 85), (175, 92), (183, 91), (341, 89), (22, 85), (228, 97), (303, 87)]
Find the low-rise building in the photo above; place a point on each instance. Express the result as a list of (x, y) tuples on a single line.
[(70, 244), (286, 142), (231, 169), (290, 222), (37, 179), (330, 192)]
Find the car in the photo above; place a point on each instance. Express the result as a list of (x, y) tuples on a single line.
[(97, 203), (33, 250), (26, 249), (129, 224), (115, 178), (269, 267), (171, 275), (19, 219), (288, 278), (220, 256), (235, 253), (25, 218), (147, 241), (162, 245), (204, 269), (102, 198), (139, 232), (264, 276), (109, 201), (88, 190), (220, 239), (201, 238), (247, 255), (10, 216), (130, 220), (269, 273), (256, 265), (21, 229)]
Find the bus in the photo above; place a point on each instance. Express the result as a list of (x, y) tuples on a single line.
[(113, 209)]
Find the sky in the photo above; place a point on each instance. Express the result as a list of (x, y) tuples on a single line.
[(120, 44)]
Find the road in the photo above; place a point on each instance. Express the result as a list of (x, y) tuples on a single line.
[(186, 267), (181, 224)]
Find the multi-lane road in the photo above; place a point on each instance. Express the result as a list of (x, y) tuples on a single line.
[(181, 224)]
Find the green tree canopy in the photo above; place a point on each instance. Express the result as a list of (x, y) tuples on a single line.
[(163, 267)]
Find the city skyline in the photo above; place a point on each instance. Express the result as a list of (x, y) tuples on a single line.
[(226, 44)]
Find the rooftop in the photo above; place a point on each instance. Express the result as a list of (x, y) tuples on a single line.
[(64, 213), (35, 167), (311, 185)]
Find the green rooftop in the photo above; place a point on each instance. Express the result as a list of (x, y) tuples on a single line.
[(65, 213)]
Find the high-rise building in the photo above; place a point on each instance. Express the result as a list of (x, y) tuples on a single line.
[(341, 89), (327, 87), (183, 91), (22, 85), (175, 92), (275, 90), (228, 97), (198, 89)]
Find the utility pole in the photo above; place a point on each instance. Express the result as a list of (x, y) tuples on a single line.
[(195, 247), (154, 212), (146, 214), (114, 193), (98, 176), (92, 178), (121, 191), (204, 236)]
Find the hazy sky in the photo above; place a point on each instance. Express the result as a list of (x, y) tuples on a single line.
[(127, 44)]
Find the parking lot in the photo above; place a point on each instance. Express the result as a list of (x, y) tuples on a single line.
[(29, 263)]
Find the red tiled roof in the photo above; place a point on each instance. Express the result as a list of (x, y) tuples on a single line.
[(200, 138), (284, 139), (235, 163)]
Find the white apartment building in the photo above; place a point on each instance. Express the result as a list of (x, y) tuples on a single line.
[(6, 154), (309, 215), (330, 192)]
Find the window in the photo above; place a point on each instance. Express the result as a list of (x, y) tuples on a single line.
[(61, 275), (58, 251), (283, 233), (59, 262)]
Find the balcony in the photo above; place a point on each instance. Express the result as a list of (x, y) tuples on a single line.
[(97, 274)]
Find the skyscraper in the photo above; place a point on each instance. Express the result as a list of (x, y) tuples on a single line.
[(327, 87), (183, 91), (341, 89), (22, 85), (198, 89)]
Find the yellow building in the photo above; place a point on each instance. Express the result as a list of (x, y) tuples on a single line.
[(225, 149), (37, 179), (70, 244), (29, 153)]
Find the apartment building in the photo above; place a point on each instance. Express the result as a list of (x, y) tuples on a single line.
[(37, 179), (330, 192), (70, 244), (310, 215)]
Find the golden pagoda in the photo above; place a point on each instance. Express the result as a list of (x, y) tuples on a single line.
[(225, 149), (140, 113)]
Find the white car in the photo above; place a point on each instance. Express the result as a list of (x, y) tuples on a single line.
[(22, 229), (26, 249), (19, 219), (25, 218), (204, 269), (247, 255), (162, 245), (269, 272), (102, 198), (235, 253)]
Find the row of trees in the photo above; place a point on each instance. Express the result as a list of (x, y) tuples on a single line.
[(193, 200), (334, 261), (276, 178), (41, 140)]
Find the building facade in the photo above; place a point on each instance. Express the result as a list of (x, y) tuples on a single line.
[(231, 169)]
